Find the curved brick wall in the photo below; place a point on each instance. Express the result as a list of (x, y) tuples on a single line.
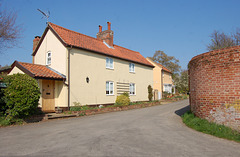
[(214, 80)]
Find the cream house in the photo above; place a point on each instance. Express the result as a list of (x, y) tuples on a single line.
[(162, 79), (73, 67)]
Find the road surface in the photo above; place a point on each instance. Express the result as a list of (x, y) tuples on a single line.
[(153, 131)]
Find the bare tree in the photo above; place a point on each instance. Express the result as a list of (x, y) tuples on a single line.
[(9, 30), (220, 40), (236, 36)]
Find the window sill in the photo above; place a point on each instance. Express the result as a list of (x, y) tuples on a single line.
[(110, 68), (133, 72), (109, 94)]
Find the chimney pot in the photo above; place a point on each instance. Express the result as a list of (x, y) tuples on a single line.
[(100, 28), (35, 41), (106, 36), (109, 25)]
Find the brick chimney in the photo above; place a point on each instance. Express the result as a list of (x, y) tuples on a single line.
[(107, 35), (36, 41)]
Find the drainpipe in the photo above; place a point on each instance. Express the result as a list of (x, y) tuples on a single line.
[(69, 49)]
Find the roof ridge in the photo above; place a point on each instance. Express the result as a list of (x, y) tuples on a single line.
[(73, 31), (32, 63), (90, 37), (163, 66)]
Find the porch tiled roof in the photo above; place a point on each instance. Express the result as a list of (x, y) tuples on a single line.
[(39, 71), (78, 40)]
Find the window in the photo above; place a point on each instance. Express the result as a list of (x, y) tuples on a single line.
[(109, 63), (131, 67), (132, 89), (48, 58), (167, 88), (109, 88)]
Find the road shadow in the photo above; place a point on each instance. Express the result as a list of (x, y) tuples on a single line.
[(181, 111)]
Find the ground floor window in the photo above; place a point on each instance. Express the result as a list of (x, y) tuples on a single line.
[(132, 89), (109, 88), (167, 88)]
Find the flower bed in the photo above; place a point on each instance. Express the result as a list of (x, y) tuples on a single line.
[(113, 109)]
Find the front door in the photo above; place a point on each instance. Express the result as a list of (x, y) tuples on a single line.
[(48, 102)]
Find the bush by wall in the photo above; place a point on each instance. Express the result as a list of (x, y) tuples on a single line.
[(21, 96), (150, 92), (123, 100)]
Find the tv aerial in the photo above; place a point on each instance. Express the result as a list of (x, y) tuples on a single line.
[(46, 15)]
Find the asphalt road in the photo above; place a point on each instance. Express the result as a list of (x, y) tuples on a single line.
[(153, 131)]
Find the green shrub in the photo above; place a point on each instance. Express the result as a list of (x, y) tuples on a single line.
[(122, 100), (2, 101), (150, 94), (4, 121), (78, 107), (21, 95)]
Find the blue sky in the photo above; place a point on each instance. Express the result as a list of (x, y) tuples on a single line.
[(180, 28)]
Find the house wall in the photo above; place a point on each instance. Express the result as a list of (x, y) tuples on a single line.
[(167, 78), (16, 70), (61, 90), (214, 79), (86, 64), (58, 63), (160, 78), (58, 50), (157, 79), (157, 76)]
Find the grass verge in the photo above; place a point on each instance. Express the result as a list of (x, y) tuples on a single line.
[(214, 129)]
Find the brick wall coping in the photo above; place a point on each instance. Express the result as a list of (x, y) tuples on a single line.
[(224, 50)]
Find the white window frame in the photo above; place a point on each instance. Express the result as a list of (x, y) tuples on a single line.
[(132, 89), (108, 88), (167, 88), (109, 63), (132, 67), (49, 58)]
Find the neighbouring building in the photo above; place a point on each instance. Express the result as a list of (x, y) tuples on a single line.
[(162, 80), (72, 67)]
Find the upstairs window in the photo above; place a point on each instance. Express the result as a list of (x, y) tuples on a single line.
[(131, 67), (132, 89), (109, 88), (48, 58), (109, 63)]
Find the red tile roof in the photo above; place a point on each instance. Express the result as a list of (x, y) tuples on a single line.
[(38, 71), (78, 40), (163, 68)]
